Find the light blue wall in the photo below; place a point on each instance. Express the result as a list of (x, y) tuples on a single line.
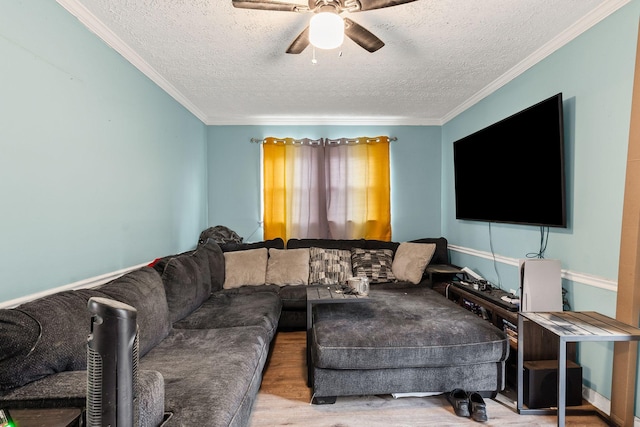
[(595, 74), (99, 168), (234, 175)]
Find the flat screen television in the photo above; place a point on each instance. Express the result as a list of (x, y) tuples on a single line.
[(513, 171)]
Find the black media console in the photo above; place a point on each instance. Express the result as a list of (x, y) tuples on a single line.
[(491, 294)]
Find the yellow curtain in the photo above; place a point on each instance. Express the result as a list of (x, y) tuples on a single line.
[(378, 190), (357, 190), (275, 188)]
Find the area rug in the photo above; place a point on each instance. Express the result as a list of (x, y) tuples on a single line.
[(386, 411)]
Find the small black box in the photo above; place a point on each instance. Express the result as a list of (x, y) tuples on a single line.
[(541, 384)]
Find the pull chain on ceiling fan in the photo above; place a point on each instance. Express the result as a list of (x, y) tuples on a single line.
[(326, 29)]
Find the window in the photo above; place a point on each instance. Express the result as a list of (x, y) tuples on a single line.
[(325, 188)]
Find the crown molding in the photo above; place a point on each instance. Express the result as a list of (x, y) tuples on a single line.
[(96, 26), (588, 21), (325, 120)]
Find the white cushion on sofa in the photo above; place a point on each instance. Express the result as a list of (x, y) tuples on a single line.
[(245, 268), (411, 259), (288, 267)]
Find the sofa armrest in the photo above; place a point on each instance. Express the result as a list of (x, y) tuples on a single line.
[(69, 390)]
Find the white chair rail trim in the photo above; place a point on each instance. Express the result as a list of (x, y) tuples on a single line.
[(573, 276), (81, 284)]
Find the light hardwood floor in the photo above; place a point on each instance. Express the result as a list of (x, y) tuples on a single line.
[(284, 400)]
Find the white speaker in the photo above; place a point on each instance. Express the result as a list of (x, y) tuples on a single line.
[(540, 285)]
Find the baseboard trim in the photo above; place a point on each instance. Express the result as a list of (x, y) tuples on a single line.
[(573, 276), (81, 284), (599, 401), (602, 403)]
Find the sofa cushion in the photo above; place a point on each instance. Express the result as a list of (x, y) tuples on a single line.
[(276, 243), (293, 297), (54, 329), (19, 333), (374, 264), (245, 268), (382, 244), (326, 243), (143, 289), (187, 283), (411, 260), (288, 267), (213, 375), (225, 310), (69, 390), (216, 263), (329, 266)]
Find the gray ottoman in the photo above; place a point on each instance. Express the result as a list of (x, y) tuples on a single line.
[(404, 340)]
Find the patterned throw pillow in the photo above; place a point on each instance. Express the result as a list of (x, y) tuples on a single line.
[(373, 263), (329, 266)]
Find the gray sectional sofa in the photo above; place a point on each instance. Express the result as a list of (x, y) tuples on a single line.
[(204, 343), (201, 351)]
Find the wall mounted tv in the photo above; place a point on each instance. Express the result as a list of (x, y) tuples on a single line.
[(513, 171)]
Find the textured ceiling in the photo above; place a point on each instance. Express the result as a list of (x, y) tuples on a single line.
[(229, 66)]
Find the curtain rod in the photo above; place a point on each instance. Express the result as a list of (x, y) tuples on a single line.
[(320, 140)]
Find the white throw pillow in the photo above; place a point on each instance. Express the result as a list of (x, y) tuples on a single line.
[(288, 267), (411, 259), (245, 268)]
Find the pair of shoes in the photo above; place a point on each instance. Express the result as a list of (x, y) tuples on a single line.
[(468, 404)]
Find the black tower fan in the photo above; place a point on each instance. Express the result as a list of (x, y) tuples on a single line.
[(112, 364)]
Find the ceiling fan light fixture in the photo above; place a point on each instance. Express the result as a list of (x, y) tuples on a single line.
[(326, 30)]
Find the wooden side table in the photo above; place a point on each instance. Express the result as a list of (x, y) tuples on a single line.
[(54, 417), (568, 326), (324, 294)]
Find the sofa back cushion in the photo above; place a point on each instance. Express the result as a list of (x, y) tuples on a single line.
[(382, 244), (326, 243), (43, 337), (187, 283), (216, 263), (276, 243), (143, 289), (441, 255)]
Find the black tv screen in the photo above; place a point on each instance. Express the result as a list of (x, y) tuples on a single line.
[(513, 171)]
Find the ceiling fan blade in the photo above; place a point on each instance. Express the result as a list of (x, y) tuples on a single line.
[(300, 43), (374, 4), (363, 37), (270, 5)]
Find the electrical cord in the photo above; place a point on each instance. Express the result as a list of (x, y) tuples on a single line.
[(544, 239), (493, 255)]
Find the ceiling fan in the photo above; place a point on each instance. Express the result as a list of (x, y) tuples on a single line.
[(327, 9)]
